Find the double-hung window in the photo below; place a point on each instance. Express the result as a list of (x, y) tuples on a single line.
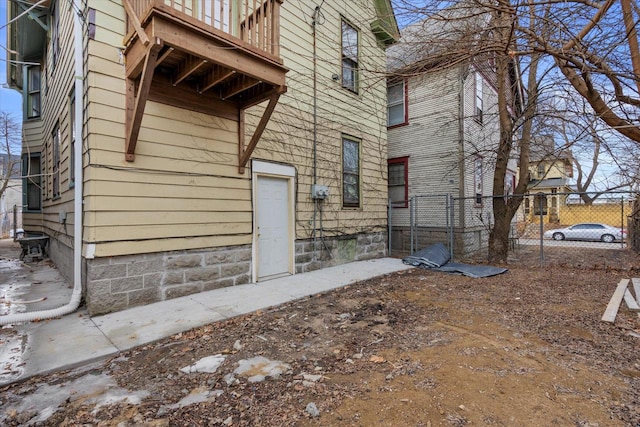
[(478, 90), (541, 171), (478, 178), (55, 147), (33, 91), (349, 57), (396, 104), (31, 182), (398, 187), (55, 34), (350, 173)]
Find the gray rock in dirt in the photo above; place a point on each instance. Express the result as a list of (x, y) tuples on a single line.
[(312, 410)]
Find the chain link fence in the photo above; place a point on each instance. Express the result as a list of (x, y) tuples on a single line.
[(561, 220)]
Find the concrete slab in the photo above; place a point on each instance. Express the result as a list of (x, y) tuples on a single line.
[(63, 343), (141, 325), (243, 299)]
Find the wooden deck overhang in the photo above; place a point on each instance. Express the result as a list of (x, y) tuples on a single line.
[(177, 59)]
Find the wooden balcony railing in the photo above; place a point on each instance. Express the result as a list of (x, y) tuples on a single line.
[(218, 57), (255, 22)]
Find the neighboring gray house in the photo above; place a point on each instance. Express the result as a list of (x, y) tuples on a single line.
[(443, 130)]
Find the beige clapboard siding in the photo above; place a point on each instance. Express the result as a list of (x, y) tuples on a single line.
[(210, 147), (105, 61), (110, 219), (151, 177), (135, 232), (144, 163), (123, 204), (150, 206), (127, 247), (177, 192), (160, 178), (32, 136), (106, 82)]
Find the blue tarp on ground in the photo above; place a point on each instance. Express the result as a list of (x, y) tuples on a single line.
[(436, 257)]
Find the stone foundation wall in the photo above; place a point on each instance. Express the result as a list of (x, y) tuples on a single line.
[(331, 251), (62, 256), (117, 283), (466, 241)]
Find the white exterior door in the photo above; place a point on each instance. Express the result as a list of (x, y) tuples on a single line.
[(273, 227)]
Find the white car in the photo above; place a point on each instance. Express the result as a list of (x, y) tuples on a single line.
[(587, 231)]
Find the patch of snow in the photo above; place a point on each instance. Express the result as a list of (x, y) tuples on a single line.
[(208, 364), (98, 390), (116, 396), (258, 368), (230, 379), (197, 395)]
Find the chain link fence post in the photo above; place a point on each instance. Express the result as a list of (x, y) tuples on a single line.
[(389, 226), (450, 222), (412, 225)]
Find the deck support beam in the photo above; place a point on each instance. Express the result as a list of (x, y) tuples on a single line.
[(137, 102), (244, 153)]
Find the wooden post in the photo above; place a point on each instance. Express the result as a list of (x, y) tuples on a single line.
[(136, 111)]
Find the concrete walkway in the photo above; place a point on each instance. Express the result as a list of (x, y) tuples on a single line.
[(78, 339)]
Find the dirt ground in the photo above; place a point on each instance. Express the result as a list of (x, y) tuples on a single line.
[(415, 348)]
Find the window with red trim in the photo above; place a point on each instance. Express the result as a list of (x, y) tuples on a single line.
[(398, 181)]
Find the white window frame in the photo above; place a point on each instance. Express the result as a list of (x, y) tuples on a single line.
[(55, 154), (478, 179), (350, 60), (33, 92), (348, 174), (393, 102), (55, 33), (479, 105)]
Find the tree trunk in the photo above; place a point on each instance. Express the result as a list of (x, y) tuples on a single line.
[(502, 215), (499, 236)]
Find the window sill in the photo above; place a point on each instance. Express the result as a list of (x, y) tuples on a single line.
[(399, 125), (350, 91)]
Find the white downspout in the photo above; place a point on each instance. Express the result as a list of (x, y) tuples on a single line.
[(76, 296)]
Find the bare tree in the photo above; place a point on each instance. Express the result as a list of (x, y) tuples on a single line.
[(9, 150), (593, 46)]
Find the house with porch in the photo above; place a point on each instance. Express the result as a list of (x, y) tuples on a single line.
[(177, 146), (443, 132), (550, 172)]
